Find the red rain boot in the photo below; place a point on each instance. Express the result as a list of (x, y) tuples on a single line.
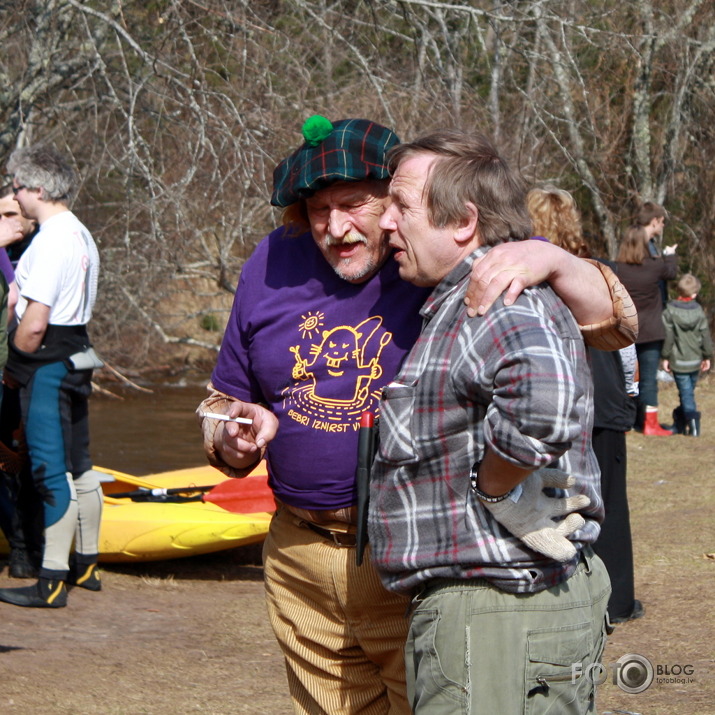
[(651, 426)]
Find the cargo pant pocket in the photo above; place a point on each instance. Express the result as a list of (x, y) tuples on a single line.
[(556, 665)]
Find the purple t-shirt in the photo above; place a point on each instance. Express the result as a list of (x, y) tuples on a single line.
[(6, 266), (318, 351)]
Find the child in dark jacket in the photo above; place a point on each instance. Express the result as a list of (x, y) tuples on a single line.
[(687, 351)]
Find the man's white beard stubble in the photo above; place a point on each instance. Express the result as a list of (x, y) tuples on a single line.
[(366, 269)]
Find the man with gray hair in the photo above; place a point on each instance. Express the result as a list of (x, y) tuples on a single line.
[(51, 360)]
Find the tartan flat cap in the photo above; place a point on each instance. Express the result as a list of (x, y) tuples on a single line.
[(346, 150)]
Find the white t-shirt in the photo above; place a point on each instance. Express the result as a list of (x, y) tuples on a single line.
[(60, 269)]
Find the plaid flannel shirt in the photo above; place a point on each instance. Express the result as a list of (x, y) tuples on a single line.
[(516, 380)]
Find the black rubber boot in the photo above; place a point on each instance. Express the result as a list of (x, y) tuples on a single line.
[(692, 424), (46, 593), (20, 565), (678, 421), (84, 573)]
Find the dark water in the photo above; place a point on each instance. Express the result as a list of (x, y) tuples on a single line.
[(147, 433)]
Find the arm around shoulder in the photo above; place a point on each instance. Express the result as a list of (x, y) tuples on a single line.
[(605, 310), (621, 329)]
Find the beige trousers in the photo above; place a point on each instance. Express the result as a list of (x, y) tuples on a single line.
[(342, 634)]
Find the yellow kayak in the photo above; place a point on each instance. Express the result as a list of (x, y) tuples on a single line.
[(213, 514)]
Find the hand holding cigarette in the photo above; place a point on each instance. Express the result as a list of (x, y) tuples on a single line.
[(226, 418), (239, 440)]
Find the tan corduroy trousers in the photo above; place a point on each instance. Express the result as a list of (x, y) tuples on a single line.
[(342, 634)]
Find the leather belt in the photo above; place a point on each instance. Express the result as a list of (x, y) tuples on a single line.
[(339, 538)]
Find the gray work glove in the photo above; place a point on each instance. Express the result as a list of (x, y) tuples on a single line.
[(530, 517)]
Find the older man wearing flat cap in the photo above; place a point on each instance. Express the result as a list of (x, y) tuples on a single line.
[(320, 324)]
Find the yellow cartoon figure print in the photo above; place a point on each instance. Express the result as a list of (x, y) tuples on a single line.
[(335, 380)]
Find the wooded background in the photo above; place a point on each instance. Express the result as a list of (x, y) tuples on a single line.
[(177, 111)]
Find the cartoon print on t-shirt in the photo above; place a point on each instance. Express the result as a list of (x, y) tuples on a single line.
[(335, 380)]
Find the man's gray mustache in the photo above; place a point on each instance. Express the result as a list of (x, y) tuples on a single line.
[(352, 237)]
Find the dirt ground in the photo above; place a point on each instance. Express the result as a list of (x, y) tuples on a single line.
[(191, 635)]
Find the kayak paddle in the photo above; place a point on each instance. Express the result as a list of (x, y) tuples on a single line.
[(239, 496)]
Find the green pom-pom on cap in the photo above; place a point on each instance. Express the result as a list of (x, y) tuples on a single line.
[(316, 128)]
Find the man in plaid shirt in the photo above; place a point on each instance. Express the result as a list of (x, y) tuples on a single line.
[(482, 415)]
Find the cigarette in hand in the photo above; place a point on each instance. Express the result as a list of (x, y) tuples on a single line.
[(226, 418)]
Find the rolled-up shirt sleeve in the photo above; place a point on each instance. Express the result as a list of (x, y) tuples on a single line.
[(537, 405)]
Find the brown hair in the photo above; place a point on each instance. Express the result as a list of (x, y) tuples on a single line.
[(688, 285), (647, 212), (554, 215), (633, 245), (469, 170)]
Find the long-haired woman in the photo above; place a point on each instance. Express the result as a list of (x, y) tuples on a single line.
[(554, 216), (642, 273)]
